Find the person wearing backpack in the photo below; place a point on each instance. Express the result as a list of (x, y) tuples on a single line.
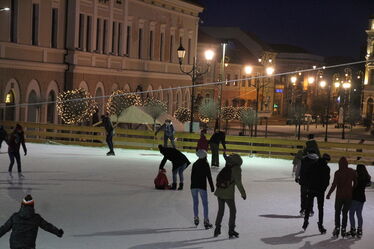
[(229, 177), (199, 174)]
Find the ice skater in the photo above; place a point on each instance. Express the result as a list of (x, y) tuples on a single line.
[(217, 138), (169, 131), (345, 180), (3, 135), (16, 139), (109, 133), (202, 143), (358, 200), (311, 144), (24, 225), (179, 161), (200, 173), (229, 177), (318, 180)]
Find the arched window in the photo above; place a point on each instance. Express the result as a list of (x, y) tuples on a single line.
[(369, 109), (51, 107), (9, 105), (32, 114)]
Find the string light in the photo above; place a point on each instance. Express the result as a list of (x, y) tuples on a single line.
[(76, 106), (119, 101), (182, 114), (228, 113)]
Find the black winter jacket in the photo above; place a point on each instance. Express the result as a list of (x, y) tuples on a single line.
[(359, 191), (217, 138), (319, 176), (107, 124), (307, 162), (24, 226), (200, 173), (176, 157)]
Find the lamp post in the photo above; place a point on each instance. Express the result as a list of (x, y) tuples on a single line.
[(194, 73), (323, 85)]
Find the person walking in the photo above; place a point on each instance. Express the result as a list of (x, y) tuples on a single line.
[(345, 180), (202, 143), (3, 135), (179, 161), (217, 138), (358, 200), (199, 174), (169, 131), (16, 139), (229, 177), (318, 180), (25, 224), (308, 161), (109, 133)]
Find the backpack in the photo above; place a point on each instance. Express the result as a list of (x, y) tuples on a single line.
[(161, 181), (224, 177)]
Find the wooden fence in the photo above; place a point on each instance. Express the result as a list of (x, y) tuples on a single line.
[(141, 139)]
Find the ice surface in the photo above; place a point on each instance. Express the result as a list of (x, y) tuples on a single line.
[(110, 203)]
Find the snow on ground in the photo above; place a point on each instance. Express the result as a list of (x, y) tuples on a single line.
[(109, 203)]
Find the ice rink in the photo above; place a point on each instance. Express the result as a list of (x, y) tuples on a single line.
[(110, 203)]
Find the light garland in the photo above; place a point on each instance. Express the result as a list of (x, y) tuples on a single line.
[(119, 101), (228, 113), (182, 114), (154, 107), (76, 106)]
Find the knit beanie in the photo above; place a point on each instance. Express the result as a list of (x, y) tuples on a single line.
[(28, 201), (201, 154)]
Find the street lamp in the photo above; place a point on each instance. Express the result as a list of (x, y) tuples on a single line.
[(4, 9), (248, 69), (194, 73), (269, 70), (311, 80)]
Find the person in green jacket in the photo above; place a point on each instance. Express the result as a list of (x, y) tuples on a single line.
[(229, 177)]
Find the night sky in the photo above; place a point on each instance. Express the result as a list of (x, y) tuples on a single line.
[(324, 27)]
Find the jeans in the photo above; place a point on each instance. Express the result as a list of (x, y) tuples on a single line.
[(166, 138), (320, 201), (221, 211), (17, 156), (342, 206), (356, 207), (215, 155), (179, 171), (204, 198), (109, 140)]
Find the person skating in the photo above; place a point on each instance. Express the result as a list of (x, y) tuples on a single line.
[(308, 161), (217, 138), (109, 133), (16, 139), (169, 131), (202, 143), (358, 200), (345, 180), (24, 226), (3, 135), (311, 144), (179, 162), (199, 174), (229, 177), (318, 179)]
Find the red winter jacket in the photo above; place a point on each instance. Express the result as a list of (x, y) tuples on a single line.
[(161, 181), (202, 143)]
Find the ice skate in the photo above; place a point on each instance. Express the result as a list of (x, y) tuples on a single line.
[(180, 186), (343, 233), (110, 153), (302, 212), (207, 224), (173, 186), (20, 176), (233, 234), (196, 221), (359, 232), (305, 224), (336, 232), (351, 233), (217, 231), (321, 229)]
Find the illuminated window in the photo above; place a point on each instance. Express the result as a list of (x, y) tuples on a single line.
[(9, 99)]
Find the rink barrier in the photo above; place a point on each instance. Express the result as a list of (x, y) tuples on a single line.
[(142, 139)]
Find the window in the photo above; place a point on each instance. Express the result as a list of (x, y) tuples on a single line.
[(151, 44), (13, 20), (35, 24), (171, 48), (98, 35), (54, 28), (236, 83), (228, 78), (189, 49), (140, 43), (128, 40), (249, 82), (114, 38), (162, 46), (243, 83), (105, 34), (119, 38), (81, 31), (89, 33), (371, 77)]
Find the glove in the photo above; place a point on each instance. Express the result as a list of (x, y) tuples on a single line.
[(297, 180), (60, 233), (244, 197)]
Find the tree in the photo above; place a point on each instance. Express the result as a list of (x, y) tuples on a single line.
[(228, 113), (120, 100), (155, 108), (208, 110), (182, 114), (76, 106), (319, 107), (248, 117), (297, 115)]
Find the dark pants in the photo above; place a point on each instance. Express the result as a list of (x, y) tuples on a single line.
[(342, 206), (109, 140), (215, 154), (17, 156), (356, 208), (320, 200), (166, 138), (304, 198), (221, 211)]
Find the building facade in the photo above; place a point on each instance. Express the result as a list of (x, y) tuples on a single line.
[(99, 45), (368, 92)]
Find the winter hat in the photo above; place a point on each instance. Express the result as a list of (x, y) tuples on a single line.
[(201, 154), (326, 157), (28, 201), (343, 162), (234, 160)]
